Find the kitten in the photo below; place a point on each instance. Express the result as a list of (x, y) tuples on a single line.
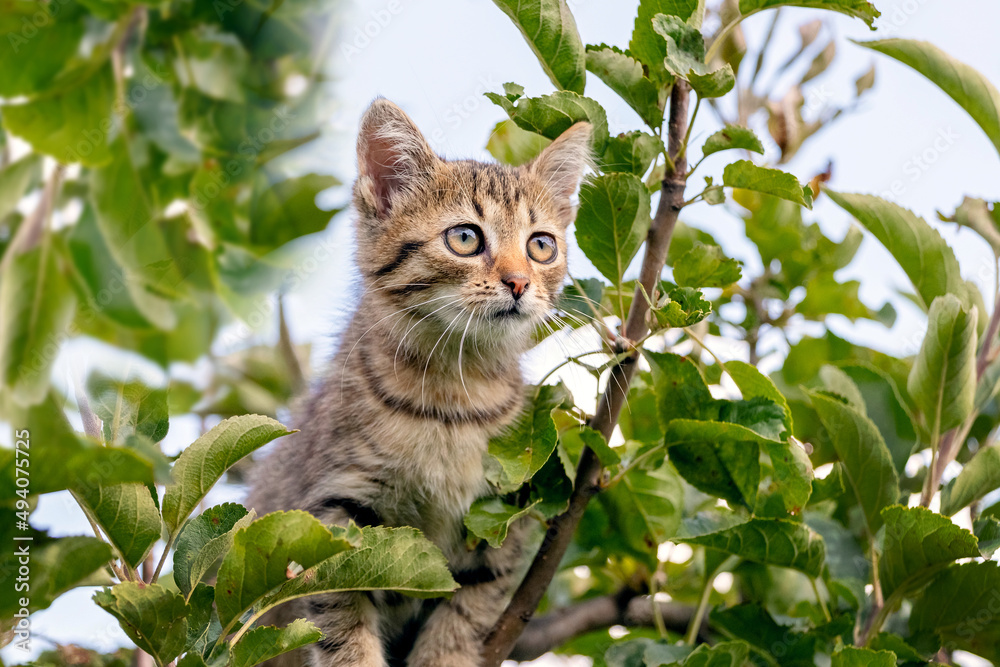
[(460, 262)]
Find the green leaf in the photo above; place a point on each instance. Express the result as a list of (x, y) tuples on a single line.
[(582, 298), (770, 542), (201, 465), (489, 519), (389, 559), (718, 458), (987, 530), (730, 137), (976, 214), (965, 85), (723, 654), (257, 563), (685, 57), (551, 115), (641, 652), (886, 641), (754, 384), (17, 179), (850, 656), (152, 616), (511, 145), (916, 544), (264, 643), (35, 45), (959, 609), (942, 382), (921, 252), (283, 210), (646, 45), (887, 407), (134, 237), (550, 30), (706, 266), (127, 515), (597, 442), (70, 123), (835, 381), (213, 64), (128, 407), (204, 628), (623, 74), (631, 152), (681, 307), (748, 176), (57, 567), (37, 305), (203, 540), (69, 460), (754, 625), (612, 222), (104, 289), (681, 392), (978, 477), (524, 448), (859, 9), (871, 476), (645, 507)]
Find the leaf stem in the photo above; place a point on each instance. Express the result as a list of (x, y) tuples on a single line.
[(661, 627), (163, 559), (687, 135), (821, 601), (695, 627), (706, 593), (721, 37)]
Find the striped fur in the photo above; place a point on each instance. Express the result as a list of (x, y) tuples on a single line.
[(427, 371)]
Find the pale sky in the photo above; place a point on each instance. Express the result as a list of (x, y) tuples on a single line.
[(436, 59)]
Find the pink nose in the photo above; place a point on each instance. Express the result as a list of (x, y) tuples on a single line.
[(517, 284)]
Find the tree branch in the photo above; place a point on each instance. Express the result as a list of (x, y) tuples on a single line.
[(560, 531), (625, 608)]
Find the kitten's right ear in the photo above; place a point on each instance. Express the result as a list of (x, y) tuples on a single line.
[(392, 157), (561, 165)]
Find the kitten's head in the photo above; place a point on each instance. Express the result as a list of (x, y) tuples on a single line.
[(472, 246)]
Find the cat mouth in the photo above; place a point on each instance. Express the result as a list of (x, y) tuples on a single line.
[(513, 312)]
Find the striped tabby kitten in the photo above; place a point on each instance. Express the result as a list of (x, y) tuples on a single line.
[(460, 261)]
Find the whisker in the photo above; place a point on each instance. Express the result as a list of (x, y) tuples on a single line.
[(423, 380), (407, 333), (461, 348), (343, 368)]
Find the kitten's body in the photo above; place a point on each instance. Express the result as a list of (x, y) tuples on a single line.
[(426, 373)]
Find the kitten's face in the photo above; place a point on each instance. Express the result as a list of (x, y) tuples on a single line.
[(475, 249)]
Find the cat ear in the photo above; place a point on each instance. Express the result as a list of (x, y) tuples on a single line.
[(561, 165), (392, 157)]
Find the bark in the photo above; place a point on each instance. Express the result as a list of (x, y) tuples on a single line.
[(626, 608)]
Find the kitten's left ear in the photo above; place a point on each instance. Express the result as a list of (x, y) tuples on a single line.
[(393, 157), (561, 165)]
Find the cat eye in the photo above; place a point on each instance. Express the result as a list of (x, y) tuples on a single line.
[(464, 240), (542, 248)]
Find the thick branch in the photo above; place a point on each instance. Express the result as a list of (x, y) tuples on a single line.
[(560, 531), (556, 628)]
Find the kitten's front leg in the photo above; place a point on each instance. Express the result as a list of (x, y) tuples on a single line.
[(349, 622), (454, 633)]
